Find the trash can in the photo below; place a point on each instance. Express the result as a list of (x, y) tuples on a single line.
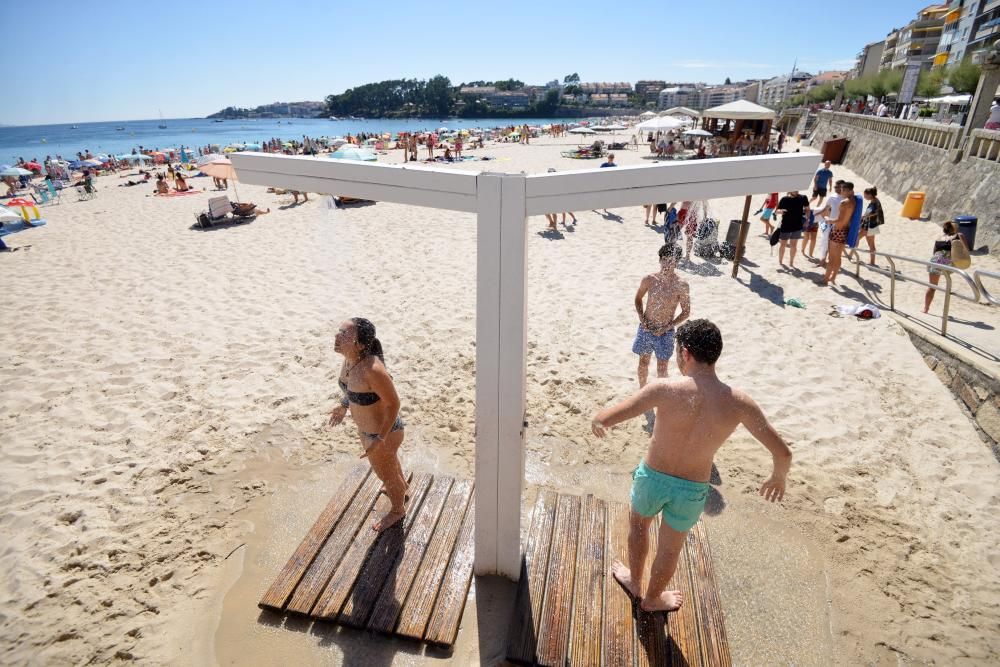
[(834, 150), (733, 233), (913, 205), (967, 227)]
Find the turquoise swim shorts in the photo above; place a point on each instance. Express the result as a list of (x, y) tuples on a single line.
[(680, 500)]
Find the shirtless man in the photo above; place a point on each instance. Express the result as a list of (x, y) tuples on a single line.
[(697, 414), (664, 292)]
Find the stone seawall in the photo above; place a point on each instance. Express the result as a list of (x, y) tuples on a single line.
[(976, 392), (897, 165)]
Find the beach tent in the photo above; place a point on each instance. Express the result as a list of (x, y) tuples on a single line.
[(740, 110), (680, 111), (647, 114), (744, 116), (660, 123), (951, 99)]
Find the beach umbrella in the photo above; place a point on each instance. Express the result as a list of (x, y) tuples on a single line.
[(661, 123), (443, 129), (33, 166), (697, 133), (138, 157), (615, 127), (24, 205), (92, 162), (647, 114), (211, 157), (582, 130), (354, 153), (15, 171), (4, 166), (221, 168)]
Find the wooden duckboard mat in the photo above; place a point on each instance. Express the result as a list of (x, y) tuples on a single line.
[(571, 611), (412, 580)]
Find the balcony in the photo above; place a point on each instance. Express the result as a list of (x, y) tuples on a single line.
[(991, 5), (986, 31)]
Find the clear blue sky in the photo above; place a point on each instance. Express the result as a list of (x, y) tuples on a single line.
[(111, 60)]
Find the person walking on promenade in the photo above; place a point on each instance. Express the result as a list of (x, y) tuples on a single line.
[(697, 414), (371, 396), (942, 256)]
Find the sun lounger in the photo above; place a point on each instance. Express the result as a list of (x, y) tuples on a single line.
[(220, 210)]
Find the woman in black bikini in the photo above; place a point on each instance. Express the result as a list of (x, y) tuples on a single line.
[(374, 405)]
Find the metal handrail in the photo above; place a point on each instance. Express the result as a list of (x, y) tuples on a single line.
[(978, 275), (894, 273)]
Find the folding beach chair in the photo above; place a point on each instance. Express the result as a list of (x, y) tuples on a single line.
[(54, 193), (219, 210), (82, 193)]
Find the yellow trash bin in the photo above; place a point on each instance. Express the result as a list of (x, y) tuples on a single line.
[(913, 205)]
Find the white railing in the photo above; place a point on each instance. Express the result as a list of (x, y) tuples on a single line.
[(979, 274), (984, 144), (895, 274), (929, 134)]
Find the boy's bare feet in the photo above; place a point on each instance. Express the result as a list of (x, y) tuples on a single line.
[(387, 521), (668, 601), (624, 578)]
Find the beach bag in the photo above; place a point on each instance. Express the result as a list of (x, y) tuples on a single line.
[(775, 236), (960, 258)]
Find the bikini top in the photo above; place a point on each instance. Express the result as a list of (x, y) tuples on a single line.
[(359, 397)]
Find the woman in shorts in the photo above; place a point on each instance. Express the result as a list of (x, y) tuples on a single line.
[(770, 204), (871, 221), (942, 256)]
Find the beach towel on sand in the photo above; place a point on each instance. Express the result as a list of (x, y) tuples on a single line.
[(823, 242), (855, 230)]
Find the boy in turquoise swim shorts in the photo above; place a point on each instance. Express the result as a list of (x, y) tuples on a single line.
[(697, 413)]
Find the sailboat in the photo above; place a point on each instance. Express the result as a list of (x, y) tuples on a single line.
[(162, 125)]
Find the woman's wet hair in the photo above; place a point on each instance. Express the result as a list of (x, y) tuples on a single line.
[(872, 191), (701, 339), (364, 332), (950, 227)]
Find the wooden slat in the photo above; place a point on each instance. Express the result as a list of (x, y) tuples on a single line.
[(683, 624), (557, 607), (394, 593), (343, 580), (447, 614), (616, 642), (714, 644), (316, 577), (416, 611), (651, 648), (380, 566), (588, 592), (531, 587), (284, 584)]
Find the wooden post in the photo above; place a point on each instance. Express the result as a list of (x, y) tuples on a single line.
[(742, 238)]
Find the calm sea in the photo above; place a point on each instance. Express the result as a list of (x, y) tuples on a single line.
[(39, 141)]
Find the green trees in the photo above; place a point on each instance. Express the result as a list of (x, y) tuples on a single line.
[(823, 93), (964, 77), (573, 78), (930, 81), (434, 97)]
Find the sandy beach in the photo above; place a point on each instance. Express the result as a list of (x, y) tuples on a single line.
[(163, 448)]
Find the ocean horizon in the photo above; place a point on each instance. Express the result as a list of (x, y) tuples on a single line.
[(115, 137)]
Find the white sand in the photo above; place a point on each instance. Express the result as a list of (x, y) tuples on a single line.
[(161, 387)]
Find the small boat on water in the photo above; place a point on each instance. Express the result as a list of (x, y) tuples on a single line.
[(75, 127), (119, 129), (218, 120)]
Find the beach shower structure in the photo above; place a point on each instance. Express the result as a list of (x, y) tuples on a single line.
[(502, 204)]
